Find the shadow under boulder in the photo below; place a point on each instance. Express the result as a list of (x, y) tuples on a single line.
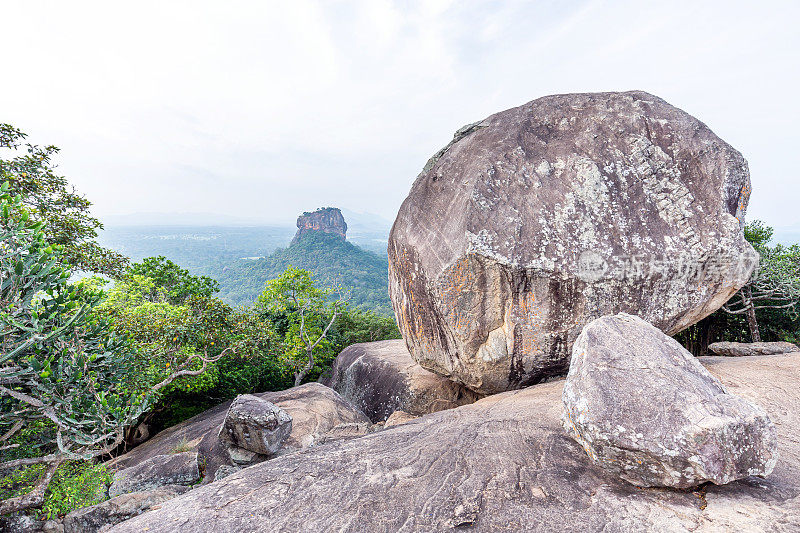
[(381, 377)]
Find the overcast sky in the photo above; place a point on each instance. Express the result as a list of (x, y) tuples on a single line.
[(263, 110)]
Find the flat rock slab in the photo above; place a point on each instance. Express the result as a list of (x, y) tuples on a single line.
[(92, 519), (646, 410), (157, 471), (381, 377), (541, 218), (501, 464), (315, 410), (746, 349)]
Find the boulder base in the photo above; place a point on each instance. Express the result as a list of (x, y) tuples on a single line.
[(645, 409), (501, 464), (381, 377), (539, 219)]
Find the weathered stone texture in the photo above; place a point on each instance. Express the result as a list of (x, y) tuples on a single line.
[(501, 464), (97, 517), (326, 220), (746, 349), (256, 425), (646, 410), (315, 410), (157, 471), (541, 218), (381, 377)]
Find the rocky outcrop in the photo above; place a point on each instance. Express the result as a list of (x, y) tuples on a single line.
[(256, 425), (503, 463), (315, 410), (539, 219), (646, 410), (744, 349), (155, 472), (381, 377), (93, 519), (324, 219)]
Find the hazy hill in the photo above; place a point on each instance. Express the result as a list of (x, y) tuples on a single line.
[(330, 258)]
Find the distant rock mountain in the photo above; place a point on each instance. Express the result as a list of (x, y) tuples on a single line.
[(324, 219)]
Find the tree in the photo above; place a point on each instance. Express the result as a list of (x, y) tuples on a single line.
[(50, 199), (62, 368), (775, 285), (304, 314), (177, 283)]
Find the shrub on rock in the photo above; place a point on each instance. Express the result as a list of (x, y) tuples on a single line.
[(645, 409)]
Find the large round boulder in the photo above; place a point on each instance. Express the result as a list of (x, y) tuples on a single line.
[(538, 219)]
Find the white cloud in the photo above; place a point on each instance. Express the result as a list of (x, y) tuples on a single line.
[(266, 109)]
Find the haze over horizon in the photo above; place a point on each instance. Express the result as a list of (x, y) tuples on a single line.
[(262, 111)]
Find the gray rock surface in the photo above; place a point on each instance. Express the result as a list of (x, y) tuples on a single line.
[(156, 471), (399, 417), (116, 510), (24, 523), (256, 425), (381, 377), (743, 349), (501, 464), (315, 410), (538, 219), (646, 410)]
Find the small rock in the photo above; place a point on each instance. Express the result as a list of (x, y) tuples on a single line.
[(157, 471), (256, 425), (116, 510), (645, 409), (741, 349)]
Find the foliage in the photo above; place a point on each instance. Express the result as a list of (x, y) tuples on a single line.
[(50, 199), (303, 314), (65, 376), (765, 308), (58, 361), (175, 282), (75, 484), (166, 334)]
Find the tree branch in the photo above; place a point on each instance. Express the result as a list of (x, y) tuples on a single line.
[(34, 498)]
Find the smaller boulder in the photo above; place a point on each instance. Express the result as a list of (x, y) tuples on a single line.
[(645, 409), (96, 517), (256, 425), (742, 349), (381, 377), (157, 471)]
